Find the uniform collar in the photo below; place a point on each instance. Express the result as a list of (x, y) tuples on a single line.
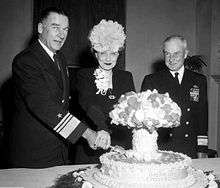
[(49, 52), (180, 75)]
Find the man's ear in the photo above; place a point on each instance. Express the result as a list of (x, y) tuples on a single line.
[(186, 53), (40, 28)]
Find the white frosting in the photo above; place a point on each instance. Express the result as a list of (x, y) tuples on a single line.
[(195, 179), (146, 166), (144, 145), (116, 183), (116, 167)]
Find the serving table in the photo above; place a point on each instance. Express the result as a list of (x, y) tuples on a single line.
[(42, 178)]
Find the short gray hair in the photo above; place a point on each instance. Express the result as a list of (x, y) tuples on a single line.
[(176, 37)]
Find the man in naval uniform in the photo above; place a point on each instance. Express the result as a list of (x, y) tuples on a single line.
[(189, 90), (42, 123)]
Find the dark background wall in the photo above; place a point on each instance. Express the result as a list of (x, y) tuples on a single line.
[(148, 24), (15, 29)]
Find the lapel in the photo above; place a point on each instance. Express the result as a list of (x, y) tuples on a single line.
[(187, 83), (168, 84), (64, 77), (181, 92), (47, 64), (114, 80), (44, 59), (170, 80), (186, 78)]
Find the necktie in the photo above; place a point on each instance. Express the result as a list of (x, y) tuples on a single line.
[(176, 77), (65, 83), (56, 60)]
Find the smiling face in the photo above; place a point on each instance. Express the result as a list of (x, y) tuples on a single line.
[(175, 53), (53, 31), (107, 60)]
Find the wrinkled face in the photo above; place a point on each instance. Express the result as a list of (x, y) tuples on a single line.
[(175, 54), (53, 31), (107, 60)]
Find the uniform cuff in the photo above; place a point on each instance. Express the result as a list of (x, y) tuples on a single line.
[(70, 128), (77, 133)]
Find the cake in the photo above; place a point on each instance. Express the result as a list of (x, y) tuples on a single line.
[(123, 169), (144, 165), (119, 171)]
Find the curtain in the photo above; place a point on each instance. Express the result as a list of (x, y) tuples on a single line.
[(83, 15)]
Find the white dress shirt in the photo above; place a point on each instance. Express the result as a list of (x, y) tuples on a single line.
[(180, 74)]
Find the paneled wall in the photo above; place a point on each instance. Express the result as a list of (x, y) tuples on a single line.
[(214, 76), (148, 24), (15, 29)]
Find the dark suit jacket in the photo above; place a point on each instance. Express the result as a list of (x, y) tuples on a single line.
[(97, 108), (41, 111), (191, 96)]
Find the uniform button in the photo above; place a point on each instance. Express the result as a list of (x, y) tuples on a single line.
[(62, 101), (59, 115), (187, 123), (171, 134), (70, 97), (186, 135), (188, 109)]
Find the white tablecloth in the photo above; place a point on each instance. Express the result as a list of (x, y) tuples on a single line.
[(42, 178)]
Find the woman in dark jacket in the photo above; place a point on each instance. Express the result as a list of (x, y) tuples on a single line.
[(100, 88)]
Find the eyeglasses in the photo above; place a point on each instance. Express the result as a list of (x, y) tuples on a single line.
[(174, 55)]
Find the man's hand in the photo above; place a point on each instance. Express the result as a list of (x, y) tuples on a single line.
[(103, 140), (91, 137), (96, 140)]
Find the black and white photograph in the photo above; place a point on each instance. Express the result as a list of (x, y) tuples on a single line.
[(110, 94)]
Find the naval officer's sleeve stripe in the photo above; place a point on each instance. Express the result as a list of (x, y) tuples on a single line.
[(69, 127), (202, 140), (66, 117), (64, 123)]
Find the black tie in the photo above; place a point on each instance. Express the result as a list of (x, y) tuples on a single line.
[(64, 79), (57, 61), (176, 78)]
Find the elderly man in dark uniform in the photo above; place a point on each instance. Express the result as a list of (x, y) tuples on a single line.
[(189, 90), (42, 123)]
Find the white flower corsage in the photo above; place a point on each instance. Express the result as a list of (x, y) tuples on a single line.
[(101, 81)]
